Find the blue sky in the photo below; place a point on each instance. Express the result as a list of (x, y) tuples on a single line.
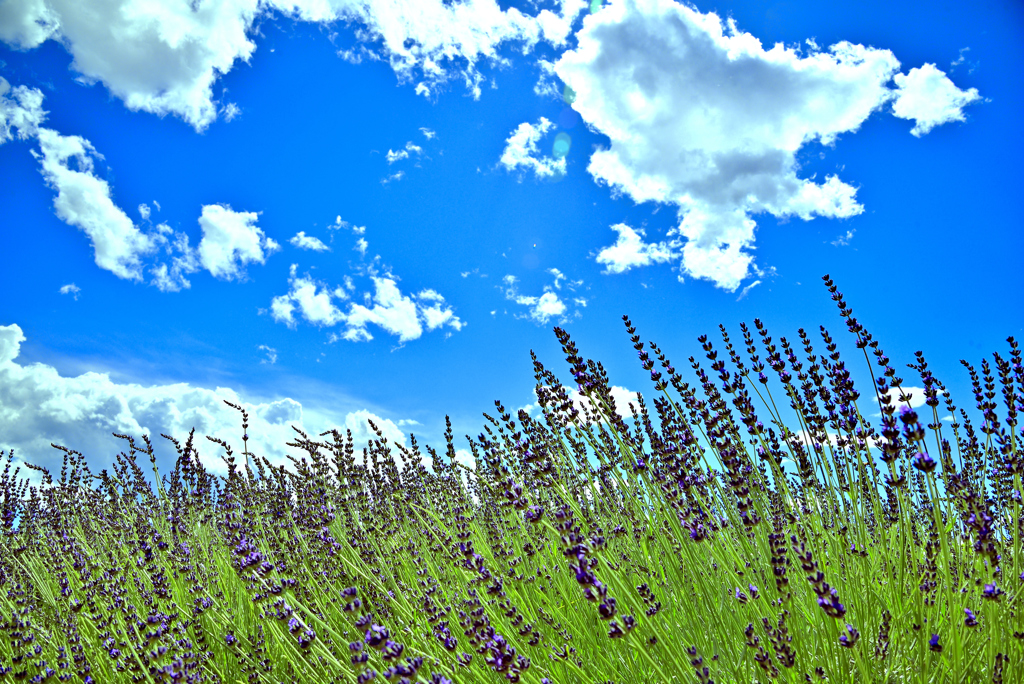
[(331, 211)]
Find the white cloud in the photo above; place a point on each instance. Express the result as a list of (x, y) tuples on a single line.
[(270, 352), (313, 300), (230, 240), (361, 246), (70, 289), (746, 290), (541, 309), (39, 406), (27, 23), (185, 261), (84, 201), (231, 111), (424, 35), (393, 177), (630, 251), (165, 57), (427, 133), (21, 109), (392, 311), (546, 85), (387, 308), (927, 96), (843, 240), (620, 395), (303, 241), (435, 313), (521, 151), (393, 156), (701, 116), (916, 394), (157, 57)]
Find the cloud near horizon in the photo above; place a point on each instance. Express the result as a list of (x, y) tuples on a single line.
[(38, 406)]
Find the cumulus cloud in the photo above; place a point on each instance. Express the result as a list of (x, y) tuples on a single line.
[(21, 111), (303, 241), (630, 251), (230, 240), (161, 58), (403, 316), (39, 406), (927, 96), (701, 116), (165, 58), (84, 201), (27, 23), (521, 151), (543, 308)]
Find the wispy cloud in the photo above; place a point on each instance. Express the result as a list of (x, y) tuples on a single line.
[(271, 353), (70, 289), (546, 306)]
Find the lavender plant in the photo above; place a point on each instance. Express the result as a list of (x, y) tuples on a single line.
[(706, 541)]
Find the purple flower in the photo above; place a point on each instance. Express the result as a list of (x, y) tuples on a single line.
[(934, 645), (851, 641), (924, 462), (740, 596), (992, 592), (306, 638), (392, 650), (377, 636), (971, 620), (607, 609)]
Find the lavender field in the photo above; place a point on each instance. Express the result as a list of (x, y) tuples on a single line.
[(700, 539)]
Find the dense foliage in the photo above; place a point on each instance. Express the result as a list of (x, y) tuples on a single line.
[(689, 542)]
